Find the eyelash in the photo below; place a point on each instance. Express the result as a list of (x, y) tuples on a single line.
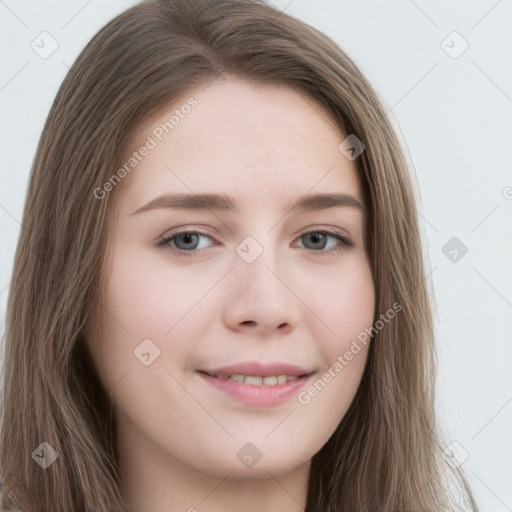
[(163, 243)]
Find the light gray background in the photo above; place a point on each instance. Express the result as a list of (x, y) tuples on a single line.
[(454, 113)]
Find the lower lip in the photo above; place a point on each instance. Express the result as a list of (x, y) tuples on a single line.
[(258, 396)]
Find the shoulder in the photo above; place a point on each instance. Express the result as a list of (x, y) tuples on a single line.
[(7, 500)]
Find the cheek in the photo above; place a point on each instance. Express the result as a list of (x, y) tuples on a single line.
[(148, 295), (146, 298), (344, 301)]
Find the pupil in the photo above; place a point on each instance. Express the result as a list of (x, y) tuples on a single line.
[(187, 238), (316, 237)]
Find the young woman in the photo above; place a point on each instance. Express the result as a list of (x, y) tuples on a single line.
[(218, 298)]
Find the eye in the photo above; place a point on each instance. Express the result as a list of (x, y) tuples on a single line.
[(185, 243), (320, 237), (185, 239)]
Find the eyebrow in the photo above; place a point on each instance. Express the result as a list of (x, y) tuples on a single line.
[(223, 202)]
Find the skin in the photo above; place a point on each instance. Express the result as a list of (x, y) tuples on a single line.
[(179, 436)]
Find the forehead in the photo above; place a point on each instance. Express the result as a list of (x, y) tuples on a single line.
[(257, 142)]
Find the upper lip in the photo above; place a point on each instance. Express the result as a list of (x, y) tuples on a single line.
[(257, 368)]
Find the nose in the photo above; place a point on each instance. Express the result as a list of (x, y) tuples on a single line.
[(261, 297)]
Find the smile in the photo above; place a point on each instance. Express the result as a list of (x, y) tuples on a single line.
[(256, 380), (256, 390)]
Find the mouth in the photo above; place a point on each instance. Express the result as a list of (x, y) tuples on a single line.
[(256, 380), (258, 385)]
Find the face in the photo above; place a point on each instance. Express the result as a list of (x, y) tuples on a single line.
[(250, 287)]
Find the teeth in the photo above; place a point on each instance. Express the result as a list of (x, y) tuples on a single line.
[(281, 379), (255, 380)]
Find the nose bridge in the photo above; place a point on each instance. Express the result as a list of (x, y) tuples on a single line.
[(259, 261)]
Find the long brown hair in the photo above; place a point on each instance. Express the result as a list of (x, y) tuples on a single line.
[(385, 454)]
